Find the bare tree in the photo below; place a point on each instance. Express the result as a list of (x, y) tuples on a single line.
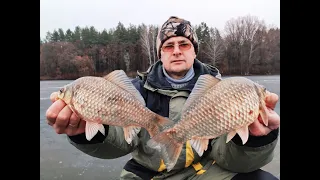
[(242, 35), (233, 31), (215, 47), (153, 34), (145, 42), (126, 58), (251, 25)]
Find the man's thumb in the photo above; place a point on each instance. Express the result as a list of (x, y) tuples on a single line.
[(271, 100)]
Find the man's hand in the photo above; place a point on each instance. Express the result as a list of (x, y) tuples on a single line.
[(62, 119), (257, 128)]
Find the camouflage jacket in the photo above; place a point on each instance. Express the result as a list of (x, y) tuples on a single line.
[(162, 99)]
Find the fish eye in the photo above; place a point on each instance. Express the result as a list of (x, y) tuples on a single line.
[(61, 90)]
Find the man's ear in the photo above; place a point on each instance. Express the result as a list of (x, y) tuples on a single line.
[(161, 55)]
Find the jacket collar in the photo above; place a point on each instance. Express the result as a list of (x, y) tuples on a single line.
[(157, 80)]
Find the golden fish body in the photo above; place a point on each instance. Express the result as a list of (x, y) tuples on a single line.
[(214, 108), (111, 100)]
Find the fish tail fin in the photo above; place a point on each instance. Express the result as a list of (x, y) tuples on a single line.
[(160, 124), (170, 149)]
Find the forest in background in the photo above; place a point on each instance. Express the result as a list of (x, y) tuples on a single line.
[(246, 46)]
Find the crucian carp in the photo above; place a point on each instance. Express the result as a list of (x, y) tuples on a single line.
[(111, 100), (215, 107)]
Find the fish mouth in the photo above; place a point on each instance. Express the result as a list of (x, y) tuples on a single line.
[(65, 94)]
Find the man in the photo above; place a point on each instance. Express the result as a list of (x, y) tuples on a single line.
[(165, 88)]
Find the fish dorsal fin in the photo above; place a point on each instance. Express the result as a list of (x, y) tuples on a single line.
[(204, 83), (263, 110), (120, 78)]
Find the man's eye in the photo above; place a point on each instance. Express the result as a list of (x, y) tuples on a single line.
[(168, 47)]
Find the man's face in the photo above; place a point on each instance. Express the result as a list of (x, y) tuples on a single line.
[(177, 56)]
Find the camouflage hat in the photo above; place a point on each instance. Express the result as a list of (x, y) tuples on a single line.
[(175, 26)]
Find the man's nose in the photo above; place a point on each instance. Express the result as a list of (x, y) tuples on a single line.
[(176, 51)]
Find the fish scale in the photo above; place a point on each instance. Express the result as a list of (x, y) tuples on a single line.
[(215, 107)]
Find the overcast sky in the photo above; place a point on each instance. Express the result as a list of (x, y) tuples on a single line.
[(105, 14)]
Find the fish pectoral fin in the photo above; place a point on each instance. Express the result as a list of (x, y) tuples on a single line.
[(263, 110), (92, 129), (130, 132), (199, 144), (243, 133), (264, 114), (230, 135)]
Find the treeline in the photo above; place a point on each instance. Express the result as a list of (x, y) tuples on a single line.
[(244, 47)]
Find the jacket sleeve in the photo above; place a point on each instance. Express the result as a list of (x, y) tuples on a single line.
[(109, 146), (256, 153)]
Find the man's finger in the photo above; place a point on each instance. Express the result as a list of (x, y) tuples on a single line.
[(63, 118), (82, 126), (271, 100), (70, 130), (74, 120), (49, 123), (258, 129), (274, 120), (54, 110)]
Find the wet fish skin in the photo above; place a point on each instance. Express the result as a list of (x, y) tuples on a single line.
[(215, 107), (111, 100)]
